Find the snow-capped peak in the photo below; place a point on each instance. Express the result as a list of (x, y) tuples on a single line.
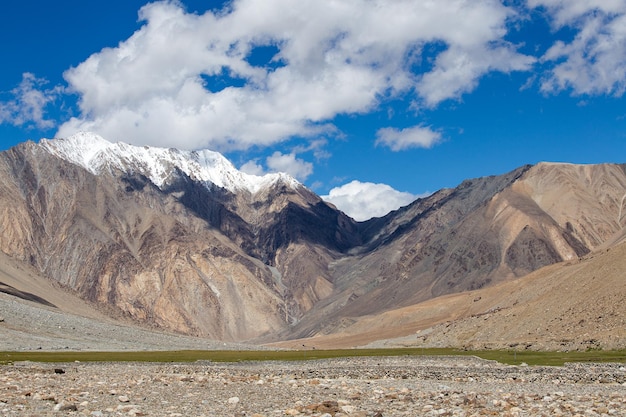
[(96, 155)]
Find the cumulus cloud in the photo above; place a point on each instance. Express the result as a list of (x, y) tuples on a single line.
[(289, 163), (410, 137), (253, 168), (189, 80), (280, 162), (28, 103), (594, 61), (364, 200), (192, 80)]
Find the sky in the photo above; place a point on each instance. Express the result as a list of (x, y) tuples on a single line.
[(369, 103)]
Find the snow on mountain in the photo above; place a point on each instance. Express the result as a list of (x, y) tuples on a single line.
[(97, 155)]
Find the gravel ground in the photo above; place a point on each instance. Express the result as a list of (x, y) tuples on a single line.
[(361, 387), (25, 325), (364, 387)]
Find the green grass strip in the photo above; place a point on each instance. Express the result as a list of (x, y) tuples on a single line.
[(502, 356)]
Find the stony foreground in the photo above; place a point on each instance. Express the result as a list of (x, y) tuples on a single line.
[(401, 386)]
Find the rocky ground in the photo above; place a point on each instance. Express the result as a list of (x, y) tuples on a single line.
[(365, 387), (25, 325)]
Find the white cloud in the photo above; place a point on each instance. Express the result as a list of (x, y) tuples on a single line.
[(29, 102), (251, 167), (332, 58), (280, 162), (364, 200), (297, 168), (410, 137), (594, 62), (566, 12), (459, 68)]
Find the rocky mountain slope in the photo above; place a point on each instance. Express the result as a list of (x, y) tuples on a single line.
[(483, 232), (571, 305), (183, 241), (182, 252)]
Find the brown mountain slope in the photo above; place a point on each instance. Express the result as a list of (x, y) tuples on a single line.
[(485, 231), (37, 313), (23, 281), (188, 256), (131, 249), (570, 305), (279, 263)]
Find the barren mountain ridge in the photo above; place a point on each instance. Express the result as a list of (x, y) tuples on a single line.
[(262, 259)]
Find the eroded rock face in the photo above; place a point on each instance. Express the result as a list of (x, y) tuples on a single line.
[(124, 244), (485, 231), (186, 256), (278, 262)]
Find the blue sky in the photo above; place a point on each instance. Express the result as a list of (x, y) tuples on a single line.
[(368, 103)]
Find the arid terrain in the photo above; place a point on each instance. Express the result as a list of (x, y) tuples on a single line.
[(574, 305), (183, 242), (363, 387), (112, 259), (108, 246)]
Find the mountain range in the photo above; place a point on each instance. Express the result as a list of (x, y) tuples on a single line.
[(182, 241)]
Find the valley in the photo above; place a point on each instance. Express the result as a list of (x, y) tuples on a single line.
[(183, 245)]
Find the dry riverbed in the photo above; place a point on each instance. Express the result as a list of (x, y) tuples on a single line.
[(395, 386)]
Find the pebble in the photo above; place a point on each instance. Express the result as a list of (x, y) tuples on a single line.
[(348, 387)]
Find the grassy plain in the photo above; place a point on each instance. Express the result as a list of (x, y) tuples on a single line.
[(503, 356)]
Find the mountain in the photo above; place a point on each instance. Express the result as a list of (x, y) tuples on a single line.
[(162, 167), (178, 240), (183, 241), (573, 305), (483, 232)]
